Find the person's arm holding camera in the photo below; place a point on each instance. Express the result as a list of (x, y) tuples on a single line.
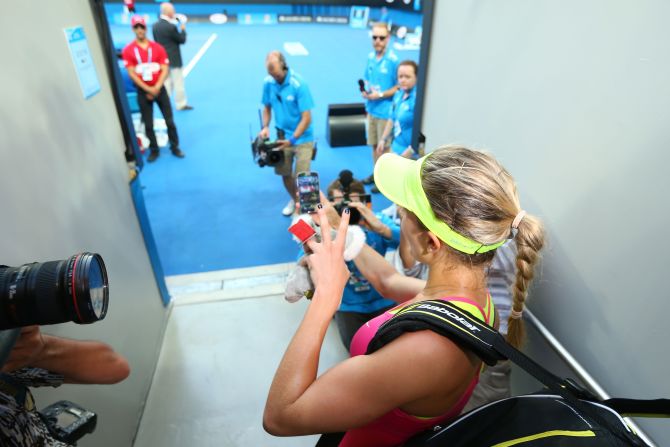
[(305, 104), (267, 117), (305, 120), (375, 223), (85, 362)]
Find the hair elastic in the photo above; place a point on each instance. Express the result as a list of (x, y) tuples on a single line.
[(515, 315), (517, 220)]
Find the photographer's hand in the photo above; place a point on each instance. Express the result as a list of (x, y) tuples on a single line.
[(372, 220), (264, 133), (27, 350), (283, 144)]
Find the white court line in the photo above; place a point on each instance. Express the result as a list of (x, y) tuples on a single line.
[(199, 54)]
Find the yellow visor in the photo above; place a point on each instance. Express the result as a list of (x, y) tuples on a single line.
[(399, 179)]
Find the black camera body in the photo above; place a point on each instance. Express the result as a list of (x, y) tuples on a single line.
[(354, 214), (265, 152), (68, 422)]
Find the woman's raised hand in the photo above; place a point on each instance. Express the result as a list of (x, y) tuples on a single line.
[(326, 262)]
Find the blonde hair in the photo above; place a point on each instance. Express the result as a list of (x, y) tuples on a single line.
[(475, 195)]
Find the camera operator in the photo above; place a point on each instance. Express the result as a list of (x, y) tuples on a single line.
[(38, 359), (286, 94)]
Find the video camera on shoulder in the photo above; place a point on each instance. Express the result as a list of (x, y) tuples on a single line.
[(345, 190), (265, 152)]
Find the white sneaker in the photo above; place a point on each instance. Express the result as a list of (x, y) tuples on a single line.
[(289, 208)]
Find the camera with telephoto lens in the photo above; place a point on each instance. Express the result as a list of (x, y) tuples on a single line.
[(265, 152), (74, 289)]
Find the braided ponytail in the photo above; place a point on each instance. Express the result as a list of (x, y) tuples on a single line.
[(477, 197), (529, 241)]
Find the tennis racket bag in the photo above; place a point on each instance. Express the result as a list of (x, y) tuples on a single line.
[(564, 415)]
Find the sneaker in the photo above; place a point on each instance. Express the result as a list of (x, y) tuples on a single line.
[(177, 152), (369, 180), (153, 155), (289, 208), (186, 107)]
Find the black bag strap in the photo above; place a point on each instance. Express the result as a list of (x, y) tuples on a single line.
[(460, 326), (646, 408)]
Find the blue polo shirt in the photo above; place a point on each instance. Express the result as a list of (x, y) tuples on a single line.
[(402, 114), (288, 100), (381, 74)]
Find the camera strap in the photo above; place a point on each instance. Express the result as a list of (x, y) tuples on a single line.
[(17, 391)]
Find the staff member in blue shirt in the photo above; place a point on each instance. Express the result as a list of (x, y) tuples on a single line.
[(287, 94), (401, 121), (380, 85)]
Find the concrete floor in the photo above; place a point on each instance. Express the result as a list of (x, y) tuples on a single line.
[(224, 339)]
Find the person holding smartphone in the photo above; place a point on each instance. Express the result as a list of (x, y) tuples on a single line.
[(401, 121), (286, 94), (419, 379)]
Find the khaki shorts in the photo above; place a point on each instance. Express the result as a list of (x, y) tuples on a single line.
[(303, 158), (376, 130)]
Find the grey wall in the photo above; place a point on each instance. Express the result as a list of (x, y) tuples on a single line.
[(64, 190), (574, 98)]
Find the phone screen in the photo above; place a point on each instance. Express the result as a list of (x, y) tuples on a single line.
[(308, 191)]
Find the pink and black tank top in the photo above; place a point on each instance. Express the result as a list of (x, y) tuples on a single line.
[(396, 426)]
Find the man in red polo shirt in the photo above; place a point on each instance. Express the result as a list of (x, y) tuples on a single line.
[(147, 65)]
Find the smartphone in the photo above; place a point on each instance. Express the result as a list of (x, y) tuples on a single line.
[(308, 191)]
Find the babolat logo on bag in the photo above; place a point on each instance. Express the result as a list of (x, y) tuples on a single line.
[(451, 315)]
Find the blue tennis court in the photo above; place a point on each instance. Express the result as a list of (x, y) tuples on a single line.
[(216, 209)]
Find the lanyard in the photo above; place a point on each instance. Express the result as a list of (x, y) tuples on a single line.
[(139, 59)]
